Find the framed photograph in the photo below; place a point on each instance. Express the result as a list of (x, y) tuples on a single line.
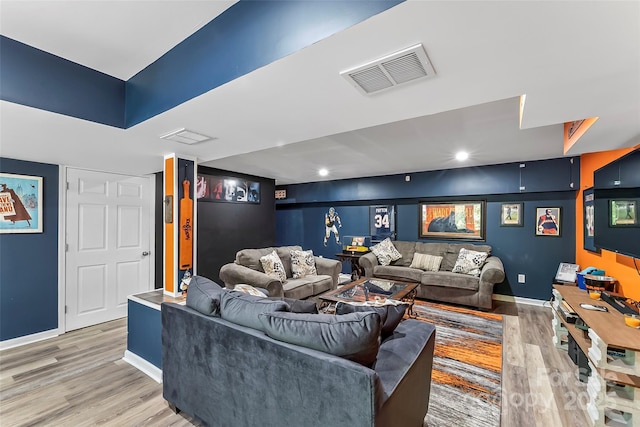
[(623, 213), (225, 189), (588, 230), (548, 222), (463, 220), (20, 203), (511, 215)]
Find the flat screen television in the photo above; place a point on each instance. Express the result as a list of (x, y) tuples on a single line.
[(617, 206)]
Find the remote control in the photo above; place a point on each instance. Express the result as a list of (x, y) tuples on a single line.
[(594, 307)]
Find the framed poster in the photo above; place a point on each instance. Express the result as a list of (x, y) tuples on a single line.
[(511, 215), (463, 220), (548, 222), (588, 230), (225, 189), (623, 213), (382, 220), (20, 203)]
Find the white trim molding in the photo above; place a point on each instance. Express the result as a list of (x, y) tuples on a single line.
[(148, 368), (28, 339), (519, 300)]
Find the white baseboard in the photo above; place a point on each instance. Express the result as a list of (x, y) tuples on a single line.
[(148, 368), (28, 339), (519, 300)]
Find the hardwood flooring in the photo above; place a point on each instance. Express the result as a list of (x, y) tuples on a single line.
[(79, 379)]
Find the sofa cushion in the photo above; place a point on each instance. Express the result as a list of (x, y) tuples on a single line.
[(303, 263), (447, 279), (243, 309), (284, 252), (470, 262), (307, 286), (272, 266), (354, 336), (301, 305), (407, 274), (385, 252), (450, 256), (391, 314), (251, 258), (204, 296), (435, 249), (248, 289), (426, 262), (406, 250)]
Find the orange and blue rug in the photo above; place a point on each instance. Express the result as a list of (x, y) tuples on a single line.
[(467, 367)]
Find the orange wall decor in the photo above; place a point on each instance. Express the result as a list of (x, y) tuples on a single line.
[(619, 266)]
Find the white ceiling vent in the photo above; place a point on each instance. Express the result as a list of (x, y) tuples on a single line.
[(400, 67), (185, 136)]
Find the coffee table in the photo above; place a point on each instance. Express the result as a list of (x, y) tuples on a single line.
[(372, 289)]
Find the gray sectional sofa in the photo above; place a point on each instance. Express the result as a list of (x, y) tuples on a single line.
[(224, 373), (246, 269), (442, 285)]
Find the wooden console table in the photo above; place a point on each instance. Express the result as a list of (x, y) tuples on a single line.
[(353, 257), (613, 352)]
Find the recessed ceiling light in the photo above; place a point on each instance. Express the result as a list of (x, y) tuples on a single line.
[(462, 155), (323, 172)]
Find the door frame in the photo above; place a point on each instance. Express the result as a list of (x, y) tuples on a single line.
[(62, 237)]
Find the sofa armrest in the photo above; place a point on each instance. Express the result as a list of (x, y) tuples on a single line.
[(329, 267), (233, 274), (367, 262), (492, 271)]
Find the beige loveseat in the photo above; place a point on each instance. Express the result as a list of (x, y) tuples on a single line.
[(442, 285), (246, 269)]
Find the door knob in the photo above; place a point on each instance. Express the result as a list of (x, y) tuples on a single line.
[(145, 253)]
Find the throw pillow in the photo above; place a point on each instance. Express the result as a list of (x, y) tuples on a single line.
[(248, 289), (386, 252), (272, 266), (243, 309), (470, 262), (391, 314), (301, 305), (426, 262), (204, 296), (303, 264), (354, 336)]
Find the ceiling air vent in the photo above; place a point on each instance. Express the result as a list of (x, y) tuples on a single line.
[(185, 136), (398, 68)]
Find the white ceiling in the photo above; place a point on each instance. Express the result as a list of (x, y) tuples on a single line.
[(288, 119)]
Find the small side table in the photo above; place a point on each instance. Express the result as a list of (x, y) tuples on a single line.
[(356, 270)]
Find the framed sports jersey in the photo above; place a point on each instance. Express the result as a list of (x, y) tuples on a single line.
[(382, 222)]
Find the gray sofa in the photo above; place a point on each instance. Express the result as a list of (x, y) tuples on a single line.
[(225, 374), (246, 269), (442, 285)]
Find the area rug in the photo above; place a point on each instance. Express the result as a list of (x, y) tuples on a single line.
[(466, 377)]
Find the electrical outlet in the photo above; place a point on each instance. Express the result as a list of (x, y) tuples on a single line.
[(521, 278)]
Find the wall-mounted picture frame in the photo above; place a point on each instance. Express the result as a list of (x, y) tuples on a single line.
[(20, 203), (227, 189), (511, 215), (548, 221), (589, 224), (623, 213), (464, 220)]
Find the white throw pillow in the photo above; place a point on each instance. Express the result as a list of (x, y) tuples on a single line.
[(386, 252), (426, 262), (272, 266), (303, 264), (470, 262), (248, 289)]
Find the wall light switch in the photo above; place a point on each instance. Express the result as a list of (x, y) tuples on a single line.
[(521, 278)]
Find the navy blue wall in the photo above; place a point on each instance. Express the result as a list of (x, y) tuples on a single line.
[(144, 332), (29, 263), (521, 251)]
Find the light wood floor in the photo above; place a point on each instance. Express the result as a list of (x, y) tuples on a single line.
[(79, 379)]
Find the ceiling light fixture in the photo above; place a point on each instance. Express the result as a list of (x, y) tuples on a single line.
[(184, 136), (323, 172), (462, 155)]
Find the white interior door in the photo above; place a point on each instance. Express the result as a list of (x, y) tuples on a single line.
[(108, 245)]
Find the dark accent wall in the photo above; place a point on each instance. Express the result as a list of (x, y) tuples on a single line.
[(546, 184), (29, 262), (224, 228)]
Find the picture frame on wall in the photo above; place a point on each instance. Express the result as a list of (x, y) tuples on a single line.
[(227, 189), (511, 215), (548, 221), (623, 213), (464, 220), (589, 224), (20, 203)]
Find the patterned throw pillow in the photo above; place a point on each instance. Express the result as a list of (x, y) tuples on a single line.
[(386, 252), (426, 262), (470, 262), (303, 264), (272, 266), (248, 289)]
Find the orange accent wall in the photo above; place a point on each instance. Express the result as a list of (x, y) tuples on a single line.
[(619, 266), (169, 243)]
